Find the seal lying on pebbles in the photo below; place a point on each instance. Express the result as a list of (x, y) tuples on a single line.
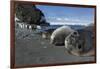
[(80, 45), (58, 36)]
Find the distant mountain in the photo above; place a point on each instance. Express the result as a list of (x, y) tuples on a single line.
[(90, 27), (53, 27), (72, 26), (91, 24)]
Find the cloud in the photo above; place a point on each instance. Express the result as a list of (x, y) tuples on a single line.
[(76, 20), (68, 23), (59, 19), (68, 20)]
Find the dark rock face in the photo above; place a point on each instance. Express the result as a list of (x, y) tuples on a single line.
[(28, 13)]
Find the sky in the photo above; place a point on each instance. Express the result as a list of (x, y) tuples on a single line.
[(63, 15)]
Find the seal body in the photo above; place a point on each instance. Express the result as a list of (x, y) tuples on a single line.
[(58, 36)]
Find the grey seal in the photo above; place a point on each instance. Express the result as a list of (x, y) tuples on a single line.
[(80, 44), (58, 36)]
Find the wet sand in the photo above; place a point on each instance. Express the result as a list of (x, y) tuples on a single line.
[(32, 49)]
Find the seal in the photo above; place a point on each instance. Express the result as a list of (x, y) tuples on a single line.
[(58, 36), (80, 44)]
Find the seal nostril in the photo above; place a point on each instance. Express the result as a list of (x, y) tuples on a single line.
[(79, 46)]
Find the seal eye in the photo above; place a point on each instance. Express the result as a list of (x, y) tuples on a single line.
[(75, 33)]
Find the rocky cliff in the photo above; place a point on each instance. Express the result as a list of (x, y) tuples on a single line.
[(30, 14)]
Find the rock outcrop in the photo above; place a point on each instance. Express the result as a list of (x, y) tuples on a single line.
[(28, 13)]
